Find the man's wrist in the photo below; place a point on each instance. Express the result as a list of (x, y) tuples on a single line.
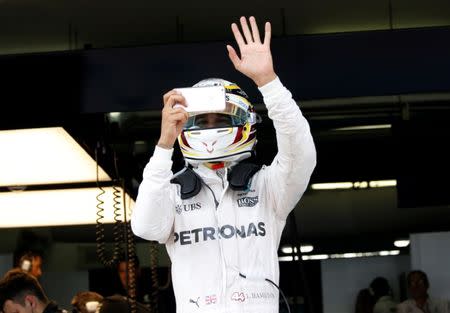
[(164, 145), (265, 79)]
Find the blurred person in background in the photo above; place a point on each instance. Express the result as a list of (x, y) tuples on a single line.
[(382, 292), (31, 262), (420, 301), (20, 292), (365, 301), (86, 302)]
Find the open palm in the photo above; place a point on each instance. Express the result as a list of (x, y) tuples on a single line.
[(255, 59)]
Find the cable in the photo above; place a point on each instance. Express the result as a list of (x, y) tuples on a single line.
[(308, 300), (154, 276), (130, 256), (119, 235), (168, 280), (100, 229), (282, 294), (279, 289)]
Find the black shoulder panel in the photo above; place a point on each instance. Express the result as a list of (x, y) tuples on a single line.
[(240, 175), (189, 181)]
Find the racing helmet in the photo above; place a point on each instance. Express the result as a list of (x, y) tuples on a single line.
[(226, 136)]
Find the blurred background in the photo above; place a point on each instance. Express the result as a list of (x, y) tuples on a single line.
[(372, 78)]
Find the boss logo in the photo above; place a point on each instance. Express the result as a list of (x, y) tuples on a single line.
[(247, 201)]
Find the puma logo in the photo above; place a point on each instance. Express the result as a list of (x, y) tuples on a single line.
[(195, 302)]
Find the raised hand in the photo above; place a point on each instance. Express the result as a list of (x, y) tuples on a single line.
[(173, 120), (255, 59)]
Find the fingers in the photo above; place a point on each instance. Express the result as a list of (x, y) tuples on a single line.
[(255, 30), (179, 115), (250, 36), (168, 94), (233, 56), (246, 30), (173, 121), (237, 36), (175, 117), (268, 34), (173, 97)]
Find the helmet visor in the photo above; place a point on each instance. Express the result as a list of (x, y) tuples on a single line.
[(232, 116)]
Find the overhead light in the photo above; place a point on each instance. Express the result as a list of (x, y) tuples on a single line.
[(360, 185), (348, 255), (364, 254), (330, 186), (60, 207), (303, 249), (364, 127), (42, 156), (401, 243), (315, 257), (306, 248), (114, 116), (288, 258), (382, 183), (355, 185)]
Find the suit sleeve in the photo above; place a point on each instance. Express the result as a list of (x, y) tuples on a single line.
[(289, 173), (153, 216)]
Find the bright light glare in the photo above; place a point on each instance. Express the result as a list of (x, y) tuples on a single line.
[(364, 127), (58, 207), (285, 258), (303, 249), (360, 185), (355, 185), (315, 257), (401, 243), (306, 248), (328, 186), (383, 183), (347, 255), (44, 156)]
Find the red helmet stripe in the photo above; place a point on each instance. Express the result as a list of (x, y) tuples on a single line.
[(238, 135), (183, 139)]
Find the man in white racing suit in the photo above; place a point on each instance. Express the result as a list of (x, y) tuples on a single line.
[(221, 219)]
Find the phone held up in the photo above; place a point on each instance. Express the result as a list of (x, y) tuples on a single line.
[(203, 99)]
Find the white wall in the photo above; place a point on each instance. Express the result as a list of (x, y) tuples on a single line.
[(343, 278), (430, 252)]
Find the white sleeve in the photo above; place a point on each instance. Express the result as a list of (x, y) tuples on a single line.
[(153, 217), (288, 176)]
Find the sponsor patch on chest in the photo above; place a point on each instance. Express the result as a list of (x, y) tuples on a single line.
[(247, 201), (187, 207)]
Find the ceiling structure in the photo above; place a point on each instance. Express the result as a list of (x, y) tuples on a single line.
[(416, 126), (37, 26)]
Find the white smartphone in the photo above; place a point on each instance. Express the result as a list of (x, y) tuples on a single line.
[(203, 99)]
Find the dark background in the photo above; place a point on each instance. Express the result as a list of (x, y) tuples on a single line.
[(347, 64)]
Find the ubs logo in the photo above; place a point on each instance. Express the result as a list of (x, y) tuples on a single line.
[(180, 208)]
